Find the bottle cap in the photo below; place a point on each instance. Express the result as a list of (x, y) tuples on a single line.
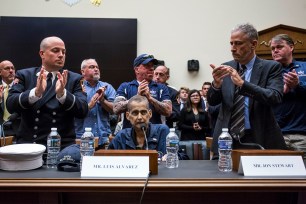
[(224, 129), (88, 129), (54, 129), (172, 129)]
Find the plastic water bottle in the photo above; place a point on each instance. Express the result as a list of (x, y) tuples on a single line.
[(172, 145), (87, 144), (225, 151), (53, 148)]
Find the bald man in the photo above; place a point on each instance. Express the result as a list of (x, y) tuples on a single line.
[(7, 73), (47, 96), (162, 75)]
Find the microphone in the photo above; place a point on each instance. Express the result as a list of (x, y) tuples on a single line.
[(144, 127), (9, 122), (236, 136)]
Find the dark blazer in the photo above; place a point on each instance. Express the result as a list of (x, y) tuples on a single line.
[(9, 127), (174, 117), (1, 109), (47, 112), (264, 90), (186, 125), (213, 112)]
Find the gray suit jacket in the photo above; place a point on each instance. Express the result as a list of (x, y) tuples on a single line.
[(264, 90)]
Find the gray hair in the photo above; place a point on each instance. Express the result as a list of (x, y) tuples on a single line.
[(167, 69), (84, 63), (248, 29), (137, 99), (281, 37)]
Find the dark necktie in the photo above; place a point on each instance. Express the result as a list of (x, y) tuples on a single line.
[(49, 91), (49, 81), (49, 84), (237, 118)]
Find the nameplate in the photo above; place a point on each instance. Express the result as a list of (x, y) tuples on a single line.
[(115, 167), (272, 166)]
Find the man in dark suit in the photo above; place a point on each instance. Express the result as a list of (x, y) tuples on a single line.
[(47, 96), (7, 73), (261, 87)]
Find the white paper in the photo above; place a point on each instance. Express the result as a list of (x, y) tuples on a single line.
[(115, 167), (272, 166)]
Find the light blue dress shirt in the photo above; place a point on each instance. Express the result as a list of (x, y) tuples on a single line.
[(97, 117), (247, 78)]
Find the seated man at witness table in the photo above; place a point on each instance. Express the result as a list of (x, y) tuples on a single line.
[(139, 114)]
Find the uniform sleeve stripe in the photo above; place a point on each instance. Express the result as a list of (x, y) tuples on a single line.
[(19, 99), (72, 103)]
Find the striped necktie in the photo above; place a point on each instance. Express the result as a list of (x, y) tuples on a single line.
[(237, 118)]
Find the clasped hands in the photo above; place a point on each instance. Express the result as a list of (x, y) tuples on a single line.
[(196, 126), (41, 84), (143, 89), (222, 71), (98, 96), (291, 80)]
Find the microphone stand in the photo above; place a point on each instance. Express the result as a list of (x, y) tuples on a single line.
[(143, 127), (2, 133), (237, 137), (11, 119)]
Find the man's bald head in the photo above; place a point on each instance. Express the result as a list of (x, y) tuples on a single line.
[(46, 42)]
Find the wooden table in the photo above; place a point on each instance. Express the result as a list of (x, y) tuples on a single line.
[(196, 181)]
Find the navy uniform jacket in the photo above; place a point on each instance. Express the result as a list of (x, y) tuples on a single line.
[(38, 118), (291, 113), (264, 90), (156, 136), (175, 115)]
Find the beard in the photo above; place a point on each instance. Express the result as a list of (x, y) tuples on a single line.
[(96, 77)]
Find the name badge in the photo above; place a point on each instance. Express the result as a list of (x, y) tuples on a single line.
[(115, 167), (272, 166)]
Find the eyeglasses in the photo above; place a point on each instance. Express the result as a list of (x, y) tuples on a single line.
[(194, 96)]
